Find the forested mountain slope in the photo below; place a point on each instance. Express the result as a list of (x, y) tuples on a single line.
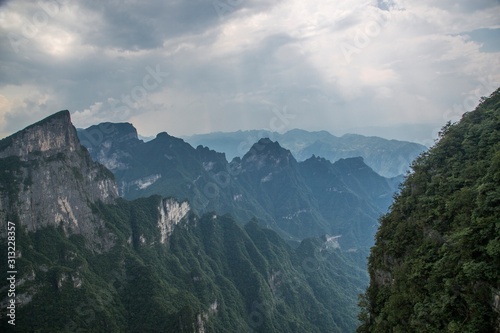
[(267, 183), (436, 263), (86, 260)]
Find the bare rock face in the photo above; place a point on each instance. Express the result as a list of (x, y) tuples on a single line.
[(50, 135), (50, 179), (171, 213)]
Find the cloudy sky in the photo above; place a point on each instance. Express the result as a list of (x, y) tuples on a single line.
[(398, 68)]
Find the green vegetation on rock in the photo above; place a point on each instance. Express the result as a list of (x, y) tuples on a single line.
[(89, 261), (211, 273), (436, 263)]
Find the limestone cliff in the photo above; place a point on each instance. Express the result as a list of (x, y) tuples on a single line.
[(50, 179)]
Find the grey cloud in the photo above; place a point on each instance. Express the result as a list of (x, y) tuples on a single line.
[(148, 24), (464, 5), (145, 25), (240, 88)]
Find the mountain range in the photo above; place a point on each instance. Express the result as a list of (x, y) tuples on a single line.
[(87, 260), (103, 232), (297, 199), (263, 243), (389, 158)]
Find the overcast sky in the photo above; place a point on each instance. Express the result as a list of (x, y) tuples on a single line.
[(398, 69)]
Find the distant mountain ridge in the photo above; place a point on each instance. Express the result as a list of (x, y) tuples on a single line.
[(267, 183), (388, 158)]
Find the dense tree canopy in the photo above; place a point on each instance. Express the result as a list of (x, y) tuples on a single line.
[(436, 263)]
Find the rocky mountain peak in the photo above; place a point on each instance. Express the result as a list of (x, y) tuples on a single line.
[(96, 135), (317, 164), (166, 140), (110, 139), (317, 160), (52, 180), (352, 163), (51, 135), (163, 136), (267, 152)]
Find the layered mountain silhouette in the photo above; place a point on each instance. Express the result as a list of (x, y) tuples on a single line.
[(89, 261), (389, 158), (267, 183)]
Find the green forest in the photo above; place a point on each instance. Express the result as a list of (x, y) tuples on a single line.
[(435, 266), (212, 275)]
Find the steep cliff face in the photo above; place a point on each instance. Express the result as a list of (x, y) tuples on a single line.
[(51, 135), (50, 179), (108, 143), (171, 213)]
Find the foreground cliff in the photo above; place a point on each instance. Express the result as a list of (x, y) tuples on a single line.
[(48, 179), (436, 263), (87, 261)]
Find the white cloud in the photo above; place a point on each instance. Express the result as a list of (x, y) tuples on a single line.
[(334, 65)]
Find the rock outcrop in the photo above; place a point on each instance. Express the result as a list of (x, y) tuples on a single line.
[(51, 180), (171, 213)]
